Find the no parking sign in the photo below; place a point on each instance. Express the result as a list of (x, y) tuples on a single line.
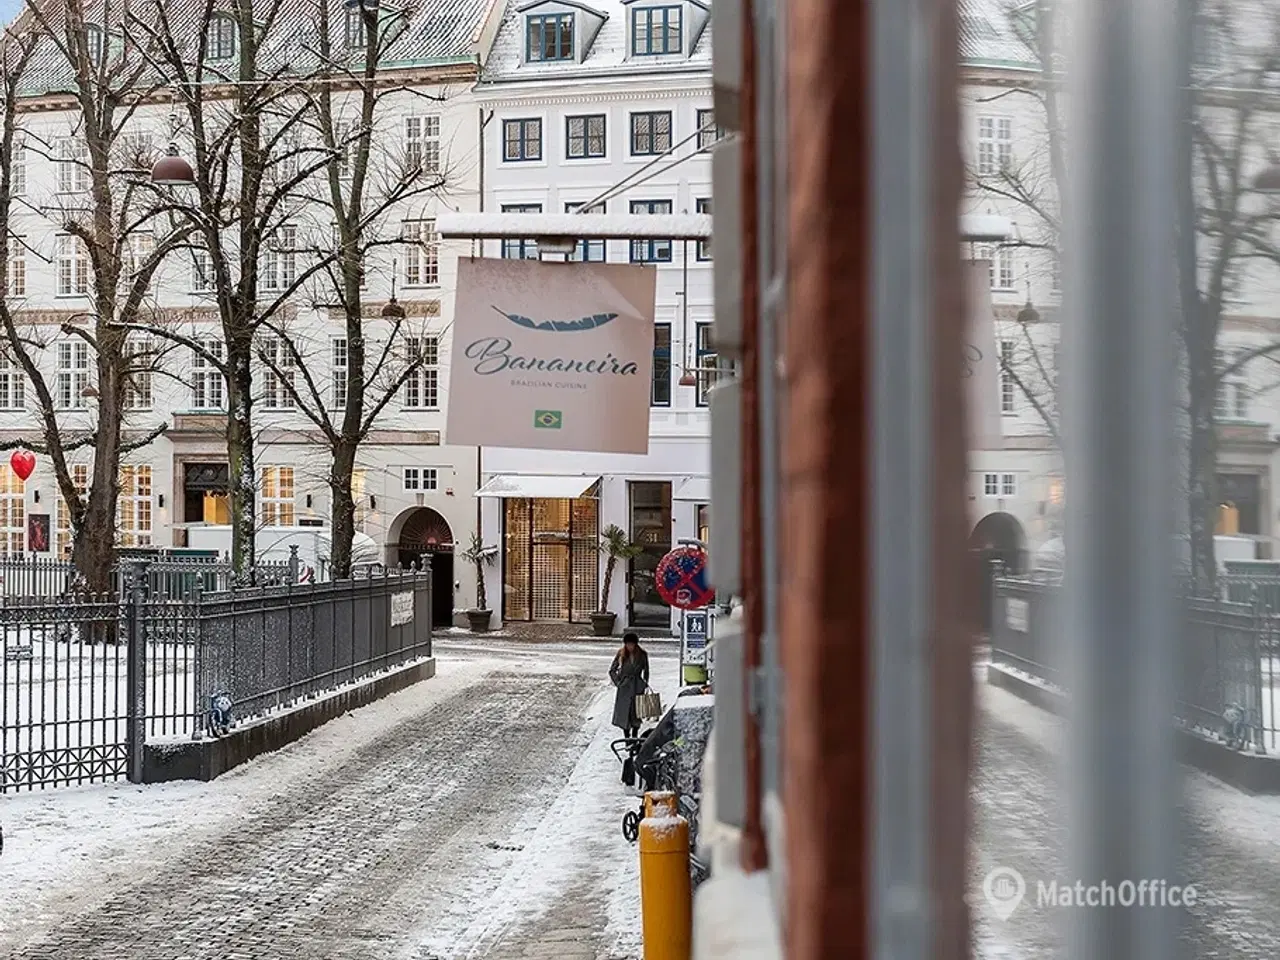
[(681, 579)]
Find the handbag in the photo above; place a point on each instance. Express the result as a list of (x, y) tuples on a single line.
[(648, 706)]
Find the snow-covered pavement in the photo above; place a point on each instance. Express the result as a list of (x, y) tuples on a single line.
[(475, 815), (1232, 851)]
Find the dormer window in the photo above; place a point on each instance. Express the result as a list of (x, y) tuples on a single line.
[(357, 39), (96, 43), (222, 38), (656, 30), (550, 37)]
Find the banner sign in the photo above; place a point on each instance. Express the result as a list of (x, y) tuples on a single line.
[(552, 356), (981, 363)]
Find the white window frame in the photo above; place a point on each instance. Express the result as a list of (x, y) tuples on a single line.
[(421, 479), (18, 169), (422, 253), (13, 384), (995, 145), (1000, 485), (17, 267), (62, 533), (135, 252), (1232, 399), (208, 386), (277, 498), (202, 278), (73, 266), (73, 166), (1002, 268), (422, 143), (1008, 387), (421, 389), (275, 385), (72, 374), (280, 260), (134, 518), (13, 513), (138, 389), (340, 365)]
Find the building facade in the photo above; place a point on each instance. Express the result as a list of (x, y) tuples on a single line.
[(579, 102), (1016, 493), (414, 492)]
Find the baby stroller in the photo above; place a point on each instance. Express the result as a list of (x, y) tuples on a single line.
[(659, 772)]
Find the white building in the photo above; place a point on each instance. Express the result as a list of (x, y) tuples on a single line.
[(1017, 492), (414, 494), (576, 98)]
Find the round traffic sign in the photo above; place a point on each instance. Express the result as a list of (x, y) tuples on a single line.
[(681, 579)]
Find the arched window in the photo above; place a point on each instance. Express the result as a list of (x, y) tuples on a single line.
[(222, 38)]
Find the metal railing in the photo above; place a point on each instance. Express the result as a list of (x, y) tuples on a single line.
[(36, 576), (1226, 684), (86, 682)]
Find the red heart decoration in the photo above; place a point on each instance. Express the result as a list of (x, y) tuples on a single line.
[(23, 463)]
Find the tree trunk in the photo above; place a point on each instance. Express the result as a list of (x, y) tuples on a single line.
[(608, 582), (482, 600), (240, 456), (343, 513), (1202, 479)]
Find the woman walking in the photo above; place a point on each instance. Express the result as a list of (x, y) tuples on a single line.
[(630, 674)]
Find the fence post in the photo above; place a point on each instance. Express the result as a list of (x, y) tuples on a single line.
[(136, 670), (295, 565)]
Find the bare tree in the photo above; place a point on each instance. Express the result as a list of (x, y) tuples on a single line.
[(112, 220), (361, 184), (243, 125), (1223, 225)]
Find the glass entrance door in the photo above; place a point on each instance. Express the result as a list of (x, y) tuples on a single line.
[(651, 528)]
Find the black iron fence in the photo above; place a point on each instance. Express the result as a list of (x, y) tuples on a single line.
[(85, 682), (1228, 653), (174, 577)]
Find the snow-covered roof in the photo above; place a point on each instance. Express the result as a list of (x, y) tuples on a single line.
[(435, 32), (606, 55), (988, 37)]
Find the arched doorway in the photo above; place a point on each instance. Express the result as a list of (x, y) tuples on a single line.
[(998, 536), (423, 534)]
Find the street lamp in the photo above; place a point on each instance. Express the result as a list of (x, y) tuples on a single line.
[(172, 170)]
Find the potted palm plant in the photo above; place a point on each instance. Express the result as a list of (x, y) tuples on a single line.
[(479, 556), (615, 545)]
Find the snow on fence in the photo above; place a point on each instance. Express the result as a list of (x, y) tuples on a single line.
[(1229, 654), (36, 576), (76, 705)]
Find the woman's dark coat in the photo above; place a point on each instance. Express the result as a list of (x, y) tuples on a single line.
[(631, 677)]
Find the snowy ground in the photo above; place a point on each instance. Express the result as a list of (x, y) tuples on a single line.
[(475, 815), (1232, 848)]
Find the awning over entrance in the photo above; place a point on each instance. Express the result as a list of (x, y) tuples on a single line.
[(536, 487), (694, 490)]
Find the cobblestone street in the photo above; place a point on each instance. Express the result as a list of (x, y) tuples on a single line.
[(468, 828)]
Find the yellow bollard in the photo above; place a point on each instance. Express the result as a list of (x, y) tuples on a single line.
[(666, 897)]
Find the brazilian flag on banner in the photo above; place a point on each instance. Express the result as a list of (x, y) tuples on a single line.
[(548, 419)]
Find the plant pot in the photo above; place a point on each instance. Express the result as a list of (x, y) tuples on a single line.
[(478, 620), (602, 624)]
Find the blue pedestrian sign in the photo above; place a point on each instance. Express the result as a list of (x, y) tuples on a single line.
[(695, 632)]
